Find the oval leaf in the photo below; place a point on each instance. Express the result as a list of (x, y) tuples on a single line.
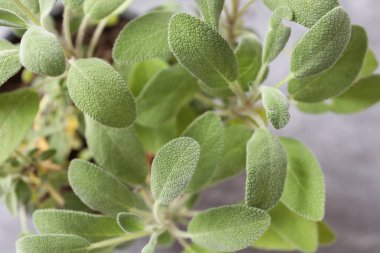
[(173, 167), (100, 92), (11, 19), (9, 61), (276, 106), (130, 223), (228, 228), (210, 11), (98, 10)]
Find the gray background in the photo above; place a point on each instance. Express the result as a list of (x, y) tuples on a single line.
[(347, 147)]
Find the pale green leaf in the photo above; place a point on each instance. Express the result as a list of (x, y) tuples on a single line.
[(211, 11), (208, 131), (98, 10), (17, 112), (202, 51), (98, 189), (130, 223), (370, 65), (215, 92), (11, 19), (151, 246), (120, 151), (100, 92), (31, 5), (143, 38), (91, 227), (52, 243), (276, 106), (9, 61), (228, 228), (338, 78), (313, 108), (173, 167), (323, 45), (304, 191), (73, 4), (326, 234), (46, 6), (166, 240)]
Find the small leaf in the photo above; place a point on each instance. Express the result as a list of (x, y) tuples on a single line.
[(111, 198), (208, 131), (323, 45), (11, 19), (266, 170), (211, 11), (326, 234), (228, 228), (202, 51), (151, 246), (143, 38), (276, 106), (313, 108), (46, 6), (9, 61), (91, 79), (41, 53), (88, 226), (278, 34), (17, 112), (130, 223), (370, 65), (173, 167), (98, 10), (118, 150), (304, 191), (338, 78), (165, 240), (52, 243)]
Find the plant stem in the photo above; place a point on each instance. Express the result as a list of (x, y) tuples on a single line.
[(66, 30), (29, 14), (284, 81), (22, 215), (81, 34), (95, 38), (156, 214), (260, 75), (236, 88), (118, 240)]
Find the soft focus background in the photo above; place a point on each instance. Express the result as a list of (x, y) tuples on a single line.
[(348, 148)]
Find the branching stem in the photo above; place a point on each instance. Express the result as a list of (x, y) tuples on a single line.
[(95, 38), (118, 240)]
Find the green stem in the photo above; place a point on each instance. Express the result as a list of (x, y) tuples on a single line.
[(118, 240), (29, 14), (66, 30), (23, 157), (95, 38), (156, 213), (246, 7), (81, 34), (236, 88), (260, 76), (24, 224), (284, 81)]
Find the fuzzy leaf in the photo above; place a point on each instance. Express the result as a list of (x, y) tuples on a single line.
[(31, 5), (98, 10), (228, 228), (88, 226), (173, 167), (73, 4), (91, 79), (130, 223), (143, 38), (276, 106), (46, 6), (278, 34), (323, 45), (370, 65), (211, 11), (202, 51), (151, 246), (17, 112), (165, 240), (9, 61), (11, 19), (164, 96), (111, 198), (266, 170), (208, 131), (326, 234), (215, 92), (304, 191), (338, 78), (306, 12), (41, 53), (52, 243), (118, 150)]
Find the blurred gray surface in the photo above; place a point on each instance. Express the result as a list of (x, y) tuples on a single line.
[(347, 146)]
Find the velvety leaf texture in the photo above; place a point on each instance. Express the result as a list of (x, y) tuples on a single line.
[(143, 38), (325, 234), (266, 170), (323, 45), (276, 106), (100, 9), (228, 228), (208, 131), (120, 151), (11, 19), (100, 92), (210, 11), (9, 61), (88, 226), (202, 51), (17, 112), (31, 5), (130, 223), (173, 167), (215, 92), (98, 189), (304, 191), (338, 78), (41, 53)]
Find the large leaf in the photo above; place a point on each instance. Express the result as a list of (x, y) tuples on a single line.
[(98, 189), (323, 45), (266, 170), (11, 19), (101, 9), (88, 226), (338, 78), (143, 38), (17, 112), (173, 167), (118, 150), (208, 131), (276, 106), (100, 92), (211, 11), (228, 228), (304, 191), (9, 61), (202, 51)]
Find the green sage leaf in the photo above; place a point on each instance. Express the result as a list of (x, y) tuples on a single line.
[(9, 61), (323, 45), (266, 170), (202, 51), (111, 198), (31, 5), (193, 248), (11, 19), (276, 106), (211, 11), (173, 167), (326, 234), (130, 223), (165, 240), (370, 65), (151, 246), (46, 6), (73, 4), (304, 191), (91, 79), (98, 10), (41, 53), (215, 92), (228, 228), (313, 108)]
